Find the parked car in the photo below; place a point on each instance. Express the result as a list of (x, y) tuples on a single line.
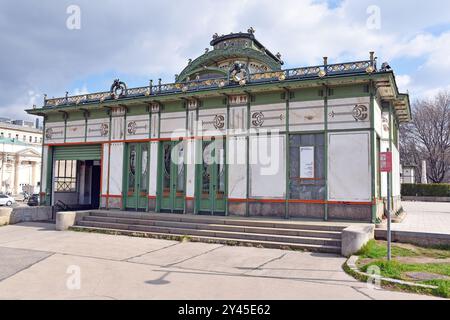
[(33, 200), (6, 200)]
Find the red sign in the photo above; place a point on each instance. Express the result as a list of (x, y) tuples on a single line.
[(386, 161)]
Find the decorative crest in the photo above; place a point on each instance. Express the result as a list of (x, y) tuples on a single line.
[(118, 89)]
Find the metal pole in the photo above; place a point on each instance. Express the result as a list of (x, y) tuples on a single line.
[(388, 215)]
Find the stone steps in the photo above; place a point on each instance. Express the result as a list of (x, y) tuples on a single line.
[(219, 227), (225, 241), (266, 233), (249, 222)]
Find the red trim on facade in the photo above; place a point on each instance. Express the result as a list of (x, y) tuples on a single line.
[(190, 198), (236, 200), (351, 203), (111, 196), (268, 200), (152, 197), (301, 201), (72, 143), (308, 201)]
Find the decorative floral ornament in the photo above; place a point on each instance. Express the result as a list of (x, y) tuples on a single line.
[(238, 73), (257, 119), (49, 133), (360, 112), (370, 69), (219, 121), (104, 129), (132, 127), (118, 89)]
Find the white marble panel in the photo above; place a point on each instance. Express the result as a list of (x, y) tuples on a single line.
[(54, 132), (105, 165), (267, 167), (97, 130), (349, 113), (238, 118), (306, 115), (153, 168), (75, 131), (269, 116), (349, 168), (173, 125), (118, 128), (138, 127), (116, 172), (212, 122), (237, 167)]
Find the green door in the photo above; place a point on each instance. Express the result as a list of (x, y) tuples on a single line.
[(136, 171), (212, 178), (172, 187)]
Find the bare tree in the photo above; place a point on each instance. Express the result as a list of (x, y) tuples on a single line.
[(427, 137)]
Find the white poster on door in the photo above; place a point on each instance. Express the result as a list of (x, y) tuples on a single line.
[(306, 162)]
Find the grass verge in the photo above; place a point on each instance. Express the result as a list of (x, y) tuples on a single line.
[(407, 259)]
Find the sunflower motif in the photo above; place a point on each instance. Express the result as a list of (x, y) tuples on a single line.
[(360, 112), (132, 127), (49, 133), (104, 129)]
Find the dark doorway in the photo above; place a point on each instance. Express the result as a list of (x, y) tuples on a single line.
[(95, 194)]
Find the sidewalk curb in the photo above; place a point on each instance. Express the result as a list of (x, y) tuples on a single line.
[(351, 264)]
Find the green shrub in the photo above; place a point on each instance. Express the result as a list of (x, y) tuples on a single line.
[(425, 190)]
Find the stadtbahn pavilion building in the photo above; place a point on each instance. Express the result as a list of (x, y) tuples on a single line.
[(235, 134)]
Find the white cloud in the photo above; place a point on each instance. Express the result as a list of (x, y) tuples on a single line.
[(154, 39), (403, 81)]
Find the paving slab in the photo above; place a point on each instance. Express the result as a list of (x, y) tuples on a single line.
[(232, 259), (427, 217), (13, 261), (176, 254), (325, 268), (30, 236)]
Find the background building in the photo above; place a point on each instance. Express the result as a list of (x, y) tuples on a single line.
[(408, 174), (20, 157)]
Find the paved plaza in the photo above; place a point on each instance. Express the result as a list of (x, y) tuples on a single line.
[(37, 262), (430, 217)]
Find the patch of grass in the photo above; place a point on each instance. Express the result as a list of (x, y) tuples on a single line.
[(374, 254), (397, 270), (390, 285), (443, 289), (394, 269), (376, 250)]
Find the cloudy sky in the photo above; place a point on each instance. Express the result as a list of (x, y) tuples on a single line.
[(141, 40)]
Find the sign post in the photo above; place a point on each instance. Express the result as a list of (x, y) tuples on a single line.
[(386, 166)]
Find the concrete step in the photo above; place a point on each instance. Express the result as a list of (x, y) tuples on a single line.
[(212, 233), (218, 227), (227, 241), (247, 222)]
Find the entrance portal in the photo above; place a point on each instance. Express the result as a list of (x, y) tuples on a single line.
[(172, 175), (136, 171), (212, 178)]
